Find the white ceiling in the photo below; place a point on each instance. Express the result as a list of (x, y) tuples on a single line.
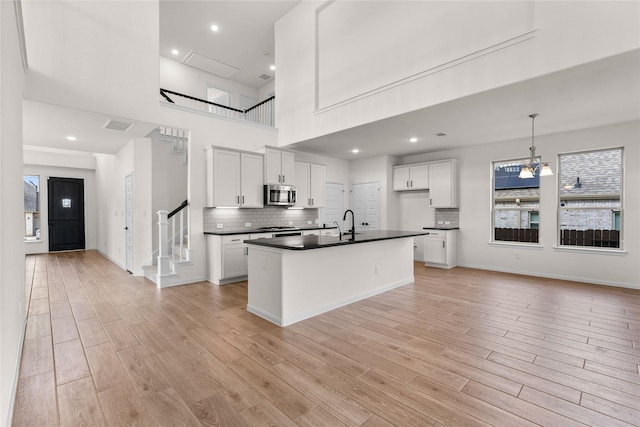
[(46, 125), (245, 39)]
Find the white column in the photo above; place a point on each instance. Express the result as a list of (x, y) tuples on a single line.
[(163, 243)]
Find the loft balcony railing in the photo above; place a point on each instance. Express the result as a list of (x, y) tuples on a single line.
[(262, 113)]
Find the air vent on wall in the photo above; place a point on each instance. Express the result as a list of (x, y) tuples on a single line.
[(209, 65), (264, 77), (117, 125)]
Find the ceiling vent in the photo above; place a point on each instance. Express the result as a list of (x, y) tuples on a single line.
[(209, 65), (264, 76), (117, 125)]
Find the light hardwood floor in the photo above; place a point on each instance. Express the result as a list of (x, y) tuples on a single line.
[(457, 347)]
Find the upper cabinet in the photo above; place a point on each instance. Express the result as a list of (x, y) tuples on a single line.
[(279, 167), (234, 178), (310, 185), (443, 184), (411, 177), (440, 178)]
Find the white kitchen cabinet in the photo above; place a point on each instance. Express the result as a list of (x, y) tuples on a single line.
[(234, 178), (411, 177), (251, 180), (227, 258), (234, 258), (418, 248), (443, 184), (440, 248), (310, 185), (320, 232), (279, 167)]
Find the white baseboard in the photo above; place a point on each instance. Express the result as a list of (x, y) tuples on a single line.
[(16, 377), (555, 276), (111, 259)]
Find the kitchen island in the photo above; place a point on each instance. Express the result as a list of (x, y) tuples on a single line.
[(294, 278)]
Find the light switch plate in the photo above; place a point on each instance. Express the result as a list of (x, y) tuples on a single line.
[(290, 222), (447, 222), (247, 224), (309, 222), (440, 222), (219, 225)]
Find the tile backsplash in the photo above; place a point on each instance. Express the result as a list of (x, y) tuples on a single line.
[(447, 214), (235, 219)]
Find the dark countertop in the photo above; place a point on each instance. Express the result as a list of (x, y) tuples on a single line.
[(441, 228), (223, 232), (302, 243)]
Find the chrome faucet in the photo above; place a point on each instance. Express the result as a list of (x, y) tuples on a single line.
[(353, 223), (338, 225)]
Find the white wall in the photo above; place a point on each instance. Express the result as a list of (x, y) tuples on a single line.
[(112, 62), (379, 169), (474, 249), (12, 275), (135, 158), (570, 33), (191, 81)]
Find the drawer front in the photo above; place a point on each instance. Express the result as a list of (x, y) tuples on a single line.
[(234, 239), (435, 233), (260, 236)]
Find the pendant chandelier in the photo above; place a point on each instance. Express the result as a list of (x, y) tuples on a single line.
[(529, 170)]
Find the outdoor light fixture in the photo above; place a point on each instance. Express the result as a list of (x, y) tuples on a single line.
[(529, 169)]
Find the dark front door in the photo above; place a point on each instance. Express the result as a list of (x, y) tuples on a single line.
[(66, 214)]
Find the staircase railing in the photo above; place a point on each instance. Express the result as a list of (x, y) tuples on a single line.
[(172, 247), (262, 113)]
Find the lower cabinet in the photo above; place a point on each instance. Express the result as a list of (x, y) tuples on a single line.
[(320, 232), (227, 258), (440, 248)]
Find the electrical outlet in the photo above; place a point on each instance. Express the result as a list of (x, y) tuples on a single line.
[(290, 222), (440, 222), (317, 221), (247, 224), (447, 222), (309, 222), (219, 225)]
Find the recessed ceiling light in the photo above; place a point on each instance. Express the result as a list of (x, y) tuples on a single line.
[(413, 139), (272, 67), (175, 51), (72, 138), (355, 151), (214, 28)]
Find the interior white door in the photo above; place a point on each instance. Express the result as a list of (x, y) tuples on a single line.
[(128, 180), (334, 204), (365, 203)]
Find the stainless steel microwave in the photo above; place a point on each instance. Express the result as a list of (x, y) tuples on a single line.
[(279, 195)]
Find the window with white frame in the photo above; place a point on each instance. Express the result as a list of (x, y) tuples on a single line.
[(31, 207), (590, 204), (515, 203)]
